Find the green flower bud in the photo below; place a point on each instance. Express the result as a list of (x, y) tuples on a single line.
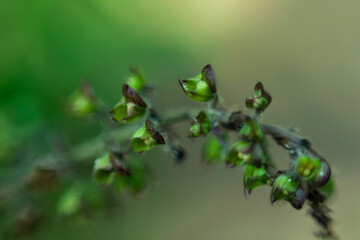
[(201, 88), (260, 99), (242, 152), (212, 151), (146, 138), (307, 167), (136, 80), (313, 169), (328, 190), (103, 171), (130, 108), (135, 181), (70, 202), (251, 130), (202, 125), (82, 102), (255, 177), (287, 188)]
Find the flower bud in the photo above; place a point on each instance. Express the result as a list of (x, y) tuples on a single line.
[(328, 190), (260, 99), (146, 137), (251, 130), (201, 88), (242, 152), (106, 167), (212, 151), (82, 103), (136, 80), (254, 177), (313, 169), (202, 125), (287, 188), (130, 108)]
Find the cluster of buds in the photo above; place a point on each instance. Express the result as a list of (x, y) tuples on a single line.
[(130, 108), (248, 149), (201, 88), (308, 170)]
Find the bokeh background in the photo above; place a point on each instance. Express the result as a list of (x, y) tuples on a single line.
[(307, 54)]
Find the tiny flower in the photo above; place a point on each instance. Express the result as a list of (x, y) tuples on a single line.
[(242, 152), (254, 177), (136, 80), (202, 125), (146, 138), (130, 108), (260, 99), (82, 103), (201, 88), (251, 130), (307, 167), (313, 169), (287, 188)]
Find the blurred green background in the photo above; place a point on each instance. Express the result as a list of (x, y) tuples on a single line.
[(307, 54)]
